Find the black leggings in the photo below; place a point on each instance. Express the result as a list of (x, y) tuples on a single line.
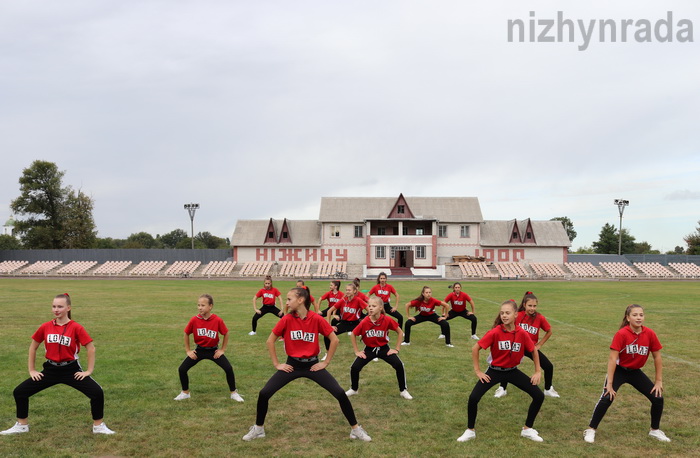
[(396, 314), (264, 310), (324, 378), (53, 375), (547, 368), (381, 353), (641, 383), (206, 353), (517, 378), (452, 314), (342, 327), (433, 318)]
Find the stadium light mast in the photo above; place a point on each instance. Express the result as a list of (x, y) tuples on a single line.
[(191, 208), (621, 204)]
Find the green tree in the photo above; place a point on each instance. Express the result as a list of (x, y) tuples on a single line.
[(568, 226), (186, 244), (584, 250), (677, 250), (141, 240), (8, 242), (57, 216), (608, 240), (693, 241), (211, 241), (172, 238)]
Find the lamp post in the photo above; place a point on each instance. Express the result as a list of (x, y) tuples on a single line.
[(621, 204), (191, 208)]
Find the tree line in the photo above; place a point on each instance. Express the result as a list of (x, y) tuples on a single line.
[(59, 217), (54, 216)]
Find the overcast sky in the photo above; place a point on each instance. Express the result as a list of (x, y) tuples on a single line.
[(257, 109)]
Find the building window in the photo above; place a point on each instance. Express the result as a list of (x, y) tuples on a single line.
[(380, 252), (285, 235), (381, 231), (358, 231), (529, 235), (405, 230), (442, 231), (270, 235), (464, 232), (335, 231), (401, 209), (419, 231), (420, 252)]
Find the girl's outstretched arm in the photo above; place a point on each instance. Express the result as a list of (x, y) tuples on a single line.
[(658, 389), (475, 358)]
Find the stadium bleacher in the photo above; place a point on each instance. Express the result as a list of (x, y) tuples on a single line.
[(547, 269), (218, 269), (40, 267), (182, 269), (511, 270), (618, 270), (583, 270), (654, 269), (76, 268), (686, 269), (7, 267)]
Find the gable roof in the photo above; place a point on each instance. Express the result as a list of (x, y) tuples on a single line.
[(253, 232), (546, 233), (358, 209)]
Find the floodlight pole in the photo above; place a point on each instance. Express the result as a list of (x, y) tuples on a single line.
[(191, 208), (621, 204)]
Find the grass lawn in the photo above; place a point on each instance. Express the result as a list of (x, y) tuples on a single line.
[(137, 327)]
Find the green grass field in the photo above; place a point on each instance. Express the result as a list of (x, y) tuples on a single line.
[(137, 327)]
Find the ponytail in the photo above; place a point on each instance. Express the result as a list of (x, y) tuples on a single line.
[(66, 297), (303, 293)]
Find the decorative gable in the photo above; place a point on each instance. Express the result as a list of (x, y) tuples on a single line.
[(515, 233), (285, 234), (270, 235), (400, 210)]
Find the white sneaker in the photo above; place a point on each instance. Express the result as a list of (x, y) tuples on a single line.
[(406, 395), (659, 435), (351, 392), (405, 344), (589, 435), (101, 429), (359, 433), (375, 359), (349, 333), (254, 433), (441, 336), (500, 392), (552, 393), (449, 345), (475, 337), (16, 429), (531, 433), (324, 357), (236, 397), (467, 436), (252, 333), (181, 396)]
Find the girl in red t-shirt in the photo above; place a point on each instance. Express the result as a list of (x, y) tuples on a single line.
[(458, 300), (384, 290), (300, 329), (629, 352), (374, 331), (270, 296), (332, 296), (507, 343), (62, 339), (206, 328), (532, 321), (302, 284), (425, 304)]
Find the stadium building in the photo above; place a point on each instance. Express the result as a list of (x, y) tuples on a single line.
[(418, 233)]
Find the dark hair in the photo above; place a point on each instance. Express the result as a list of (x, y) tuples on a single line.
[(498, 320), (529, 296), (267, 277), (421, 297), (336, 283), (628, 310), (356, 282), (452, 286), (302, 282), (381, 274), (67, 299), (303, 293), (209, 298)]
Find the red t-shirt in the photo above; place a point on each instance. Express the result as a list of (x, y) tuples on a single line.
[(206, 331), (425, 308), (458, 301), (507, 347), (350, 311), (532, 325), (634, 348), (332, 297), (268, 295), (383, 293), (375, 334), (301, 336), (362, 296), (62, 343)]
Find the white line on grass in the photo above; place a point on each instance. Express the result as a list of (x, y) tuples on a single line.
[(578, 328)]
